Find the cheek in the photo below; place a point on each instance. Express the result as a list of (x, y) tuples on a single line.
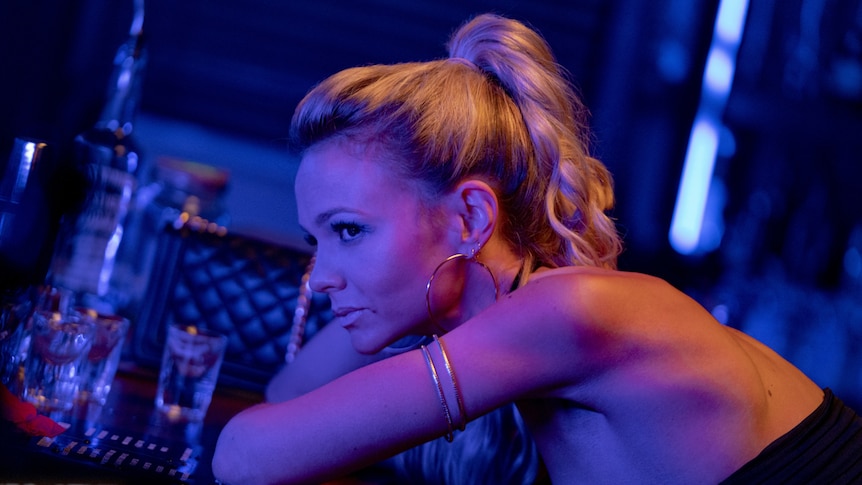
[(403, 270), (405, 266)]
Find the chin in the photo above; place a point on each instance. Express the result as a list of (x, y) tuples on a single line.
[(365, 345)]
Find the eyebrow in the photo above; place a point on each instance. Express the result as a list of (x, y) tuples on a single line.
[(325, 216)]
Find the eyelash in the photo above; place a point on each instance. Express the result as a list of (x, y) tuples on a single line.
[(340, 228)]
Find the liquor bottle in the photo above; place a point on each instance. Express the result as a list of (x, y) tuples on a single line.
[(85, 257)]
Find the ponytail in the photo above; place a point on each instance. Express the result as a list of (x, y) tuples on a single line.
[(575, 189)]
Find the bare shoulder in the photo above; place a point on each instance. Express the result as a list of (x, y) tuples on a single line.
[(607, 295), (565, 325), (580, 322), (592, 275)]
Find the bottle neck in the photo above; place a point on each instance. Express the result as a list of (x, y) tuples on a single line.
[(124, 89)]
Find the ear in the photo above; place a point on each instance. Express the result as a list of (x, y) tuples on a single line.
[(477, 207)]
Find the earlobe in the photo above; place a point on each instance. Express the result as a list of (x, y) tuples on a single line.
[(478, 210)]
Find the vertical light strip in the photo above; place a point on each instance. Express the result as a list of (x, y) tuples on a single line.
[(688, 213), (25, 166)]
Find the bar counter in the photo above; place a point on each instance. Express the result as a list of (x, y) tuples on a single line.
[(127, 441), (124, 441)]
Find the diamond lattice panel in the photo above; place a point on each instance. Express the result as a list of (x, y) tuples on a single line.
[(244, 288)]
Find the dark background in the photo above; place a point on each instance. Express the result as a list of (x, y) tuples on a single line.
[(224, 76)]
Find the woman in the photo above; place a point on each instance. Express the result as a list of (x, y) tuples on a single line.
[(456, 199)]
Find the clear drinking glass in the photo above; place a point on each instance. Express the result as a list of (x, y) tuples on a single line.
[(99, 368), (59, 343), (190, 366)]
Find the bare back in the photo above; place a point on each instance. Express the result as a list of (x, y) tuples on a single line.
[(659, 391)]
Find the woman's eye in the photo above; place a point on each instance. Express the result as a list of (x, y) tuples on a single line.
[(347, 231), (311, 240)]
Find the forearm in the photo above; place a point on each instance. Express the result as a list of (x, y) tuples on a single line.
[(344, 426), (324, 358)]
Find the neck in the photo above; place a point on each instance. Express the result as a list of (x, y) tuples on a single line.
[(504, 264), (480, 289)]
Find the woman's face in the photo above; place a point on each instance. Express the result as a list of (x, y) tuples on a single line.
[(375, 244)]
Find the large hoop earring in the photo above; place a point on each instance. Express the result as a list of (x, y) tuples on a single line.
[(471, 258)]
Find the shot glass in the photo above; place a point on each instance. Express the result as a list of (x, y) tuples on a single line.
[(99, 368), (46, 299), (190, 366), (59, 343)]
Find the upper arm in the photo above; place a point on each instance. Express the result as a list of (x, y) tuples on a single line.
[(547, 339), (531, 341)]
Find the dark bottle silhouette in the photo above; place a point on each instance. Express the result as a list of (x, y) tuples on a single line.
[(85, 257)]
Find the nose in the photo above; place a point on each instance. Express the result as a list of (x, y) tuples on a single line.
[(324, 277)]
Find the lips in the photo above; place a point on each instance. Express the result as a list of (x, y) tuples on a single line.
[(346, 316), (343, 311)]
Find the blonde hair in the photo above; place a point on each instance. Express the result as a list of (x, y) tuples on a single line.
[(499, 109)]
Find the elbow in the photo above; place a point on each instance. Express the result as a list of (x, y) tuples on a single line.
[(230, 465), (243, 454)]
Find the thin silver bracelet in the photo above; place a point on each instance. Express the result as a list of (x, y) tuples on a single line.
[(451, 373), (450, 435)]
